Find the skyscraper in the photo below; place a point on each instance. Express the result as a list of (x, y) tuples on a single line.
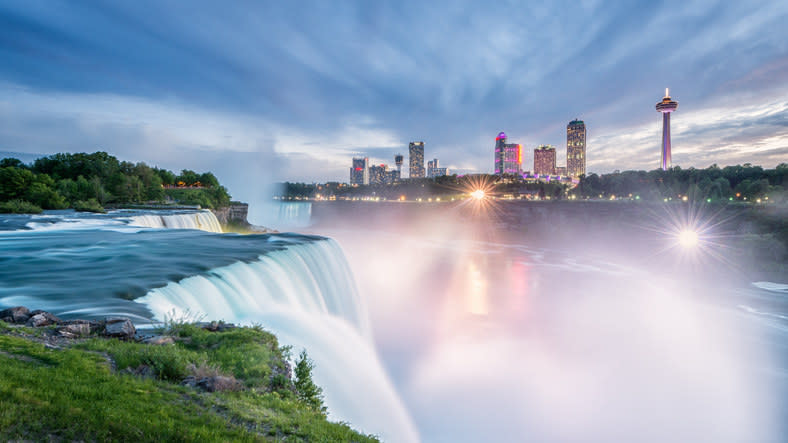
[(416, 157), (431, 165), (666, 106), (377, 174), (544, 160), (508, 156), (359, 172), (575, 148)]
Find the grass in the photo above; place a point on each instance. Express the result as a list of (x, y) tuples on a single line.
[(74, 394)]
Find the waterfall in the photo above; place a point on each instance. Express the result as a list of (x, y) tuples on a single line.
[(306, 295), (202, 220)]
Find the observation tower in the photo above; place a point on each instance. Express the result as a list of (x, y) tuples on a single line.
[(666, 106)]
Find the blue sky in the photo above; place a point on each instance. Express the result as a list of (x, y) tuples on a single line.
[(264, 91)]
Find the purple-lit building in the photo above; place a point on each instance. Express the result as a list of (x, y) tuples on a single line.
[(508, 156), (666, 106)]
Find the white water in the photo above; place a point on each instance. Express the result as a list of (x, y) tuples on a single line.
[(202, 220), (307, 296)]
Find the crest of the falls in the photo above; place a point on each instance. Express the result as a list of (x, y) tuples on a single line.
[(202, 220), (307, 295)]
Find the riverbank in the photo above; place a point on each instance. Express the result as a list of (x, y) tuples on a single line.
[(103, 380)]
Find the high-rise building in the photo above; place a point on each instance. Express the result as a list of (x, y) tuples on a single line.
[(666, 106), (508, 156), (377, 174), (544, 160), (575, 148), (416, 158), (432, 164), (560, 170), (392, 176), (398, 162), (439, 172), (359, 172)]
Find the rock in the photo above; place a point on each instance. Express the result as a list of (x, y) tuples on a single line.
[(17, 314), (74, 330), (94, 326), (216, 326), (42, 318), (218, 383), (159, 340), (119, 327)]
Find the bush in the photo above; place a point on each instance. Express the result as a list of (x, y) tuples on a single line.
[(19, 207), (308, 391), (90, 205)]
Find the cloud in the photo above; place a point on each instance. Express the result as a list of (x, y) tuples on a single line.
[(322, 82)]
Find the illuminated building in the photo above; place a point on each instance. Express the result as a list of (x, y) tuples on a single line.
[(666, 106), (575, 148), (544, 160), (508, 156), (377, 174), (439, 172), (398, 162), (560, 170), (391, 176), (359, 172), (432, 165), (416, 159)]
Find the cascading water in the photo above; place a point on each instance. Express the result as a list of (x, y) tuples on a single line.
[(307, 296), (202, 220)]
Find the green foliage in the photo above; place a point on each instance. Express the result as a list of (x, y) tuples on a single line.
[(73, 394), (740, 182), (19, 207), (306, 389), (209, 198), (90, 205), (62, 180)]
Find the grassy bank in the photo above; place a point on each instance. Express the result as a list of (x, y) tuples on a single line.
[(98, 389)]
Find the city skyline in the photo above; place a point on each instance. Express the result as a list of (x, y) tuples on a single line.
[(251, 96)]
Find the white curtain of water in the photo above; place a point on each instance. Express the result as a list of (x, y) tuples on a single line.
[(203, 220), (305, 294)]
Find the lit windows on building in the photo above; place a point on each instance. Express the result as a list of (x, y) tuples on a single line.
[(575, 148), (508, 156), (359, 172), (544, 160), (377, 174), (416, 159)]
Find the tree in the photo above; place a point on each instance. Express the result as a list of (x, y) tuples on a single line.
[(306, 390)]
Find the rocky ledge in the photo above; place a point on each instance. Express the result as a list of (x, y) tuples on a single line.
[(57, 333)]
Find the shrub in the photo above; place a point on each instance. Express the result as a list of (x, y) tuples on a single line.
[(19, 207), (308, 391), (90, 205)]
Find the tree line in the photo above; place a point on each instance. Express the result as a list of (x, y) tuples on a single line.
[(740, 182), (90, 181)]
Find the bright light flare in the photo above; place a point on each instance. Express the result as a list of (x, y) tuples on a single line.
[(688, 238), (478, 194)]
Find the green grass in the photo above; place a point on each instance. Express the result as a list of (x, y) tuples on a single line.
[(73, 394)]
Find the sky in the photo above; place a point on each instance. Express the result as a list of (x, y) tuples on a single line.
[(263, 91)]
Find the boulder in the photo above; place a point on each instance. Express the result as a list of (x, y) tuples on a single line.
[(74, 330), (218, 383), (17, 314), (159, 340), (94, 326), (119, 327), (42, 318)]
